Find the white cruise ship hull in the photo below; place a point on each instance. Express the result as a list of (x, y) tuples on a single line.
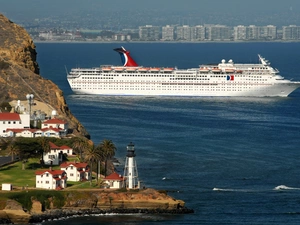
[(251, 90), (223, 79)]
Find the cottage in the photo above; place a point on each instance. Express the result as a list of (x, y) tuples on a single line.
[(114, 180), (51, 179), (76, 171), (55, 155), (55, 123)]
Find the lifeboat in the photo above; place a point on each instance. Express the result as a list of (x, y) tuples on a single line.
[(204, 69), (239, 71), (168, 69), (106, 69), (119, 69), (216, 70), (130, 69), (229, 70), (143, 69), (154, 69)]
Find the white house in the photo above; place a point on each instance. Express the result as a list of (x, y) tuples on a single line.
[(13, 121), (51, 179), (55, 123), (27, 132), (66, 150), (52, 132), (114, 180), (76, 171), (55, 156)]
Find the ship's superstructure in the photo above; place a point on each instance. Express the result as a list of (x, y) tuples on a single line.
[(224, 79)]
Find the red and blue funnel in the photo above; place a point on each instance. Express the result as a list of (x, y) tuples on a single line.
[(125, 57)]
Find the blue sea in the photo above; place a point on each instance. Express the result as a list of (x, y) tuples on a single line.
[(232, 160)]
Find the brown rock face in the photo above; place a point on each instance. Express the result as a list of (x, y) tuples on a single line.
[(19, 74), (149, 199)]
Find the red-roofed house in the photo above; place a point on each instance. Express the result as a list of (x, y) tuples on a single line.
[(66, 150), (55, 123), (55, 156), (25, 132), (114, 180), (51, 179), (13, 121), (53, 132), (76, 171)]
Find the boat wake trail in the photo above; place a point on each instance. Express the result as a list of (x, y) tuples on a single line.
[(283, 187), (231, 190)]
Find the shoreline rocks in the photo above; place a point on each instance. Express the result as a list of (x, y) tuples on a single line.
[(66, 213)]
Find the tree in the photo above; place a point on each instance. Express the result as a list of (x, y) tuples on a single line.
[(5, 107), (80, 145), (13, 150), (45, 147), (92, 155), (108, 150)]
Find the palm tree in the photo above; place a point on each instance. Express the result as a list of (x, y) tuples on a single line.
[(13, 150), (45, 145), (80, 145), (92, 155), (108, 150)]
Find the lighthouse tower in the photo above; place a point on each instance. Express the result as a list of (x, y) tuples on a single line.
[(130, 171)]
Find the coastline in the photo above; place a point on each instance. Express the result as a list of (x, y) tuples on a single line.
[(159, 42), (90, 202)]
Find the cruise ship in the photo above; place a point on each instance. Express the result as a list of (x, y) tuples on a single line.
[(223, 79)]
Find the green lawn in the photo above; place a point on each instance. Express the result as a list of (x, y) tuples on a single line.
[(13, 174)]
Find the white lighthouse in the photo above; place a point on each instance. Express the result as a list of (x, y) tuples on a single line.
[(130, 171)]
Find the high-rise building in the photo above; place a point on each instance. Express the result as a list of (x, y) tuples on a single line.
[(240, 33), (183, 33), (218, 33), (168, 33), (291, 32), (198, 33), (149, 33), (268, 32)]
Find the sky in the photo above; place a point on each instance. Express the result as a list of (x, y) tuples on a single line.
[(200, 5)]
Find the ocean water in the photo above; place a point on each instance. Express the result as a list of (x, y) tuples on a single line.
[(232, 160)]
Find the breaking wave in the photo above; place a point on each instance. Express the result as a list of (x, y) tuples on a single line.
[(283, 187)]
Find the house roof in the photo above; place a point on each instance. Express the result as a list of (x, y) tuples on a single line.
[(114, 176), (52, 172), (9, 116), (53, 146), (76, 164), (54, 121), (64, 147), (19, 130)]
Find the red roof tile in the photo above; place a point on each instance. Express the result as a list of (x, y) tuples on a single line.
[(114, 176), (9, 116), (19, 130), (53, 146), (64, 147), (77, 165), (55, 121), (52, 172)]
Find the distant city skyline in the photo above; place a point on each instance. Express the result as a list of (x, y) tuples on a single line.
[(119, 14)]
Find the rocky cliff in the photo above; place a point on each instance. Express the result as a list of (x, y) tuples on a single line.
[(19, 74), (93, 201)]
